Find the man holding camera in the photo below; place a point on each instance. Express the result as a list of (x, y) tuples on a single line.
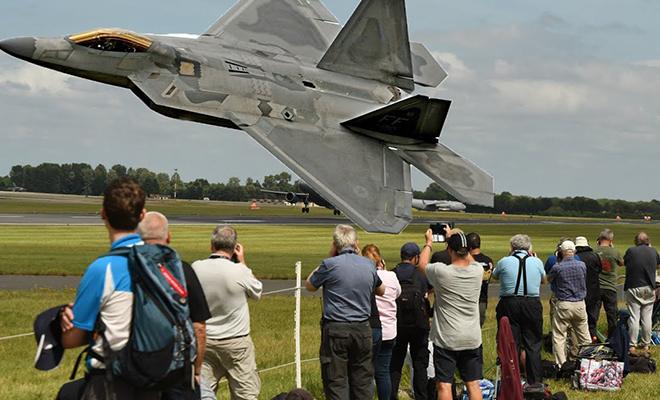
[(348, 281), (455, 332), (228, 283)]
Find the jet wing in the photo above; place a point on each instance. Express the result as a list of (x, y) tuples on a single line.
[(359, 176), (298, 28), (283, 193)]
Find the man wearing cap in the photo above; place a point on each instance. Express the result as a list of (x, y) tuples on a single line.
[(641, 261), (456, 332), (610, 257), (487, 265), (348, 280), (570, 277), (417, 336), (594, 267), (520, 275)]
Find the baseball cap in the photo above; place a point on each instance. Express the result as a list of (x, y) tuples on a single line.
[(48, 333), (409, 250), (581, 241), (459, 243), (568, 245)]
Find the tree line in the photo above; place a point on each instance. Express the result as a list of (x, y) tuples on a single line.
[(82, 179)]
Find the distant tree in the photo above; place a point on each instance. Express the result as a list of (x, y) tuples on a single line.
[(100, 179), (435, 192), (5, 182), (112, 175), (17, 175), (150, 185), (88, 181), (119, 169), (164, 183)]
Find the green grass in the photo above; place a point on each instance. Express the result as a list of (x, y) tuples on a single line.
[(271, 251), (272, 333)]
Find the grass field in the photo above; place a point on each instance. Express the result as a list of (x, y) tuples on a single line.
[(271, 251), (272, 332)]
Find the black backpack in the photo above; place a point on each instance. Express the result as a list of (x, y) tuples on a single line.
[(411, 309)]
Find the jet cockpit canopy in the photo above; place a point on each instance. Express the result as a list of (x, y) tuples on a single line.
[(113, 39)]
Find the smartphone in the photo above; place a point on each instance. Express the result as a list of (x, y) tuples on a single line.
[(438, 230)]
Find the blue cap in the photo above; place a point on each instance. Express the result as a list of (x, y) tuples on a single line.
[(409, 250), (48, 333)]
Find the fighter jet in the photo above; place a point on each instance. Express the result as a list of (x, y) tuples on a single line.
[(437, 205), (338, 106), (306, 195)]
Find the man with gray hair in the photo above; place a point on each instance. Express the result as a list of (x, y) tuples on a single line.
[(154, 229), (520, 275), (228, 284), (348, 281), (610, 257), (641, 261)]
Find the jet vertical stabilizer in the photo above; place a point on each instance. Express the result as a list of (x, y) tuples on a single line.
[(374, 45)]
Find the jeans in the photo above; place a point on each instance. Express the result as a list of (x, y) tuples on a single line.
[(381, 359), (419, 351)]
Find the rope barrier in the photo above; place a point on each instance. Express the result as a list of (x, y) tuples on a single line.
[(16, 336), (281, 290)]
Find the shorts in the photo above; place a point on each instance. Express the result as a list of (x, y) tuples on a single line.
[(469, 363)]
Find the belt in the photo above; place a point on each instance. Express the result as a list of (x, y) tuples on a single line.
[(524, 297), (231, 338)]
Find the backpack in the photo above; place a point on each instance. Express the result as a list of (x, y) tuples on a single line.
[(161, 346), (411, 309)]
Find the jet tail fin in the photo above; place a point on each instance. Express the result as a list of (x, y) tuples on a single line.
[(413, 120), (374, 44), (457, 175)]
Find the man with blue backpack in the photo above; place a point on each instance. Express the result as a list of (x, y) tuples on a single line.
[(131, 309)]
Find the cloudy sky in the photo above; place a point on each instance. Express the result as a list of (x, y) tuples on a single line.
[(552, 98)]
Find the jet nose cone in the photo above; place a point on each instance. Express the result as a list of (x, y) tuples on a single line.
[(21, 47)]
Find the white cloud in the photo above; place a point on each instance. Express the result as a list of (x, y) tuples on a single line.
[(36, 81)]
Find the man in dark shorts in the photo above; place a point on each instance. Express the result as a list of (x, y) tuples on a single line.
[(154, 229), (348, 280), (455, 332), (487, 264)]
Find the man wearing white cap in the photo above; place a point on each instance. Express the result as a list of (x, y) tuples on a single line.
[(570, 276), (594, 267)]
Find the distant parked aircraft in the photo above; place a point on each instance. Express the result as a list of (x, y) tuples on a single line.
[(15, 189), (437, 205)]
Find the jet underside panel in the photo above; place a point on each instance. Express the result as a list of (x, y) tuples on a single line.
[(457, 175), (359, 176)]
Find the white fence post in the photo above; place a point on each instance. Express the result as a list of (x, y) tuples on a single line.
[(297, 329)]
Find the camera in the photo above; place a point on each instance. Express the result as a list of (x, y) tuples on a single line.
[(438, 230)]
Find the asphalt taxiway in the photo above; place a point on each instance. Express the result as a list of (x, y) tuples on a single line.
[(95, 220)]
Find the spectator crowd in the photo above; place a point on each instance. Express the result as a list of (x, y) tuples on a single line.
[(430, 305)]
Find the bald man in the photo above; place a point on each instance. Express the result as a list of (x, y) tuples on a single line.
[(154, 229)]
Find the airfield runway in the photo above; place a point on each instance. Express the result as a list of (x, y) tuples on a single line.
[(87, 219)]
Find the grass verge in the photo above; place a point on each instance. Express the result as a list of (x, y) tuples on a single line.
[(271, 251), (272, 332)]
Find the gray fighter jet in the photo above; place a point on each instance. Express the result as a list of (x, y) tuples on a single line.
[(306, 195), (336, 105)]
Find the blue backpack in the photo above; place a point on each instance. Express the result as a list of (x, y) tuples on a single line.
[(161, 347)]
